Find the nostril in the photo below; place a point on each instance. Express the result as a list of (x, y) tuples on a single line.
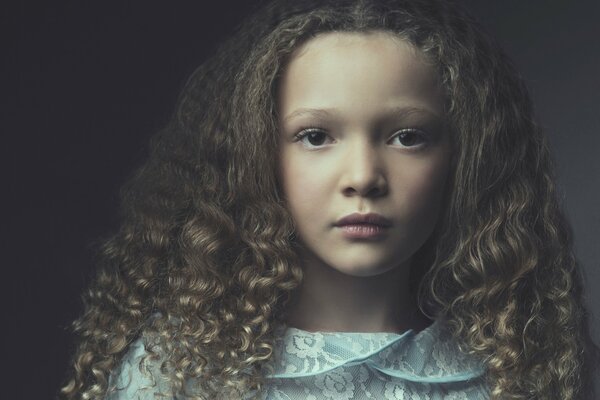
[(375, 190)]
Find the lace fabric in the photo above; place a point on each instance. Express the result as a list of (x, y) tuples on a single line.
[(341, 366), (344, 365)]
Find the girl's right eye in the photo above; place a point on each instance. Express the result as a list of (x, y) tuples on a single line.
[(311, 137)]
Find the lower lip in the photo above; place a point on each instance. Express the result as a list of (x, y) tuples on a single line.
[(362, 231)]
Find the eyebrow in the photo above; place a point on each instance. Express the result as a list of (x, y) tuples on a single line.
[(400, 111)]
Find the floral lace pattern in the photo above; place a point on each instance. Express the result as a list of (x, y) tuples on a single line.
[(342, 366)]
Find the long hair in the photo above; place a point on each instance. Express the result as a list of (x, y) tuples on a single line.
[(204, 262)]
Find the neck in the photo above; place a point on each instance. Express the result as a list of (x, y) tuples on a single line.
[(332, 301)]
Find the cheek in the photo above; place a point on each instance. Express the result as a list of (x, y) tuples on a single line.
[(424, 187), (303, 188)]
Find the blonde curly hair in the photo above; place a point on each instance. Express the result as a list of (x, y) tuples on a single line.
[(205, 262)]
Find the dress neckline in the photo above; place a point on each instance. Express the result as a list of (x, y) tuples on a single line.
[(293, 330), (431, 355)]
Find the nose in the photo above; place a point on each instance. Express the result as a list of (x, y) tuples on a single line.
[(364, 172)]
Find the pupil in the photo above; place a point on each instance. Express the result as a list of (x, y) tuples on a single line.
[(311, 138), (411, 138)]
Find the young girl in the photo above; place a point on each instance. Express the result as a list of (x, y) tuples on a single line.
[(352, 201)]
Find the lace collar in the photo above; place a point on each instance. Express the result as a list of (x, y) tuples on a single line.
[(429, 356)]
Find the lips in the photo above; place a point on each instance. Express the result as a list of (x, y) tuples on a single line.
[(371, 219)]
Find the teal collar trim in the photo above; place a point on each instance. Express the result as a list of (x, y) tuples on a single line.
[(428, 356)]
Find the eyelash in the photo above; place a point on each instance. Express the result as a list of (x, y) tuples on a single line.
[(422, 136)]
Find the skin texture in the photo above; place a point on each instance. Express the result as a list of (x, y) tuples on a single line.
[(378, 146)]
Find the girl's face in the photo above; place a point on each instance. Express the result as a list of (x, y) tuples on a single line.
[(361, 131)]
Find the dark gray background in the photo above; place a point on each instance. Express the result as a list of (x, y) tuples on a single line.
[(556, 46), (87, 84)]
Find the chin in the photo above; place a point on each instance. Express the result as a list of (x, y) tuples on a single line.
[(362, 270)]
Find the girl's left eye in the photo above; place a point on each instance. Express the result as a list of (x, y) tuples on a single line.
[(314, 136), (410, 137)]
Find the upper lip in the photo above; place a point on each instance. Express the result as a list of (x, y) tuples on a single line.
[(370, 218)]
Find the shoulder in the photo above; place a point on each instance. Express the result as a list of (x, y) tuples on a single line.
[(138, 376)]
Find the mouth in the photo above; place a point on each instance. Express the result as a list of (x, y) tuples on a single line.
[(364, 221), (363, 226)]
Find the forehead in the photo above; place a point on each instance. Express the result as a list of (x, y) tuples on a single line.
[(375, 39), (357, 70)]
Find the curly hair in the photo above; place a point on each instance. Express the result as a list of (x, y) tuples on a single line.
[(205, 262)]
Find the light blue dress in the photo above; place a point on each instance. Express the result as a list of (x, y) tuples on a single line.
[(341, 366)]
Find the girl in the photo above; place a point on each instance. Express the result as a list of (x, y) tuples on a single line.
[(352, 201)]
